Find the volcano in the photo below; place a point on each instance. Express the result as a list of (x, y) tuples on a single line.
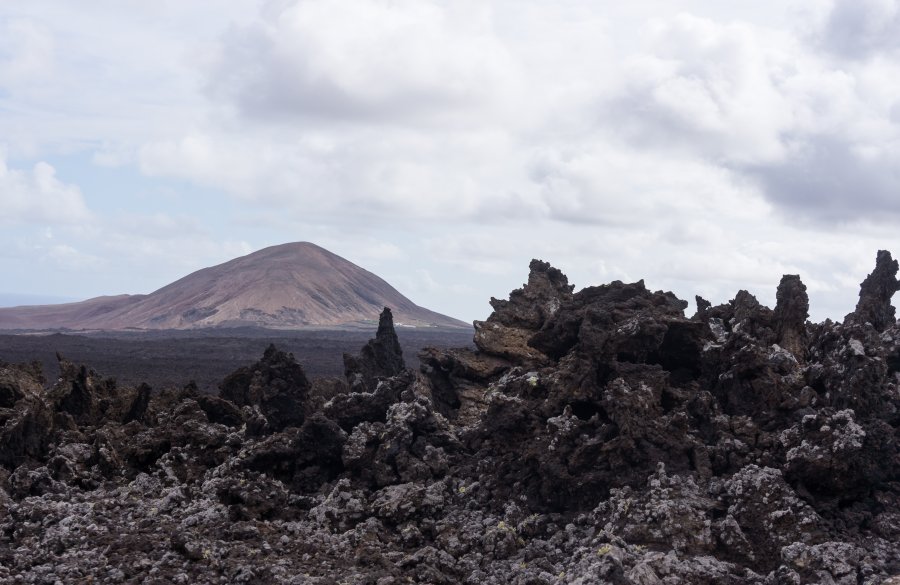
[(287, 286)]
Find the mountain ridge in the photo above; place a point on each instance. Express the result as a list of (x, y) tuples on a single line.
[(292, 285)]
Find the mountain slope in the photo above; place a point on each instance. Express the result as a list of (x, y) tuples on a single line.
[(291, 285)]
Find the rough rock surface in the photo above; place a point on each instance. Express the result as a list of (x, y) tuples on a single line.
[(791, 312), (594, 437), (508, 329), (875, 294), (381, 357), (276, 386)]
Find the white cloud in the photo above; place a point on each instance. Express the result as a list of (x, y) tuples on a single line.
[(354, 173), (77, 75), (820, 138), (159, 226), (373, 250), (709, 88), (858, 28), (574, 131), (613, 184), (66, 257), (38, 196), (113, 155), (362, 59), (27, 51)]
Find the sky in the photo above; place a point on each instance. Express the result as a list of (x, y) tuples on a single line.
[(703, 146)]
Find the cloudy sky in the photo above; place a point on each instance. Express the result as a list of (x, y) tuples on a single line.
[(701, 145)]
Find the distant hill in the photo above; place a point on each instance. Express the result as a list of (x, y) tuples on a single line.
[(287, 286)]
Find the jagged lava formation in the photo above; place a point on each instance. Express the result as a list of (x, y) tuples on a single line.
[(592, 437)]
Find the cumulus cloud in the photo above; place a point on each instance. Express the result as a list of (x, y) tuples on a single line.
[(362, 59), (434, 111), (708, 88), (355, 174), (27, 51), (38, 196), (113, 155), (614, 185), (832, 179), (858, 28), (818, 138)]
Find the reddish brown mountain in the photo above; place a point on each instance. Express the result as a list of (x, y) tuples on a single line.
[(286, 286)]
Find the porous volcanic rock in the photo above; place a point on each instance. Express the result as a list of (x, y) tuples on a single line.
[(875, 294), (507, 330), (381, 357), (598, 436), (791, 312), (276, 385)]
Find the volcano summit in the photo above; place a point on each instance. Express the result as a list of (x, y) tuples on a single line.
[(291, 285)]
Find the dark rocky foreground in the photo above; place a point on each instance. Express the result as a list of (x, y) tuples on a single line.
[(592, 437)]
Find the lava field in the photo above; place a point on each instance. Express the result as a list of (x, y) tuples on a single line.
[(597, 436)]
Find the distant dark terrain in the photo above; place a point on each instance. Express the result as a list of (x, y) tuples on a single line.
[(172, 358)]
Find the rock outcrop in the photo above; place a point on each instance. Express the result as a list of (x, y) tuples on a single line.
[(381, 357), (507, 330), (790, 315), (593, 437), (276, 386), (875, 294)]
